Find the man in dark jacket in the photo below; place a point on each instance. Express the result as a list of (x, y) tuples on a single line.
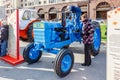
[(3, 39), (87, 32)]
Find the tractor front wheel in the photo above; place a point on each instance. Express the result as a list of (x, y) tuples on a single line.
[(31, 55), (64, 62)]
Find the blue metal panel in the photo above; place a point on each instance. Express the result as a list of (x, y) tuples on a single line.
[(46, 35)]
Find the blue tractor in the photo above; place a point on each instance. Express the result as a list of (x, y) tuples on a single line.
[(55, 37)]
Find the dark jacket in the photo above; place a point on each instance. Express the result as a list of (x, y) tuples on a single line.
[(4, 30), (88, 32)]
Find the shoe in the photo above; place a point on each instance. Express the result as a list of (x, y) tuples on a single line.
[(84, 64)]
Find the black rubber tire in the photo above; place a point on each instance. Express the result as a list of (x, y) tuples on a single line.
[(26, 54), (94, 52), (58, 59), (66, 47), (29, 33), (23, 39)]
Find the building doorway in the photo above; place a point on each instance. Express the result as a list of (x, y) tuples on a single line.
[(101, 10)]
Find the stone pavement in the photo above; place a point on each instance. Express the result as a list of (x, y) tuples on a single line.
[(43, 70)]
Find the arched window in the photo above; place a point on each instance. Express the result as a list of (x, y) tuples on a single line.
[(41, 14), (103, 5), (52, 13)]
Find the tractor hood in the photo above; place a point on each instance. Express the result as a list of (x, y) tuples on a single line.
[(46, 24)]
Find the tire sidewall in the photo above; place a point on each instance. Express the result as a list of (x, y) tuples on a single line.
[(30, 32), (58, 61), (94, 52)]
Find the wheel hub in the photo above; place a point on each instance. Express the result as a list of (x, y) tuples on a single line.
[(33, 53), (66, 63)]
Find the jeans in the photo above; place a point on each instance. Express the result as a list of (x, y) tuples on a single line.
[(3, 48)]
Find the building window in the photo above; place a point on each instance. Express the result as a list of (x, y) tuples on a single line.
[(44, 2), (11, 11), (30, 4), (51, 1), (103, 5), (21, 5), (7, 11), (25, 4), (39, 2)]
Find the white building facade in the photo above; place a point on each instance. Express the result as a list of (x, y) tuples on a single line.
[(97, 9), (10, 5)]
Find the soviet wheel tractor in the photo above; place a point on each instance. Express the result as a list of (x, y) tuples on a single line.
[(55, 37)]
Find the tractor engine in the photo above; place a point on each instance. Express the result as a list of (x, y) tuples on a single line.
[(53, 31)]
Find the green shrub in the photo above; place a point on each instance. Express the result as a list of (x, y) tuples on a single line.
[(103, 27)]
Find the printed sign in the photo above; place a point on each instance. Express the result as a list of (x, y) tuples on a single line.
[(113, 45), (12, 42)]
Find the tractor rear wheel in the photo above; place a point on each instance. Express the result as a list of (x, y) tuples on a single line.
[(66, 47), (23, 39), (30, 33), (97, 38)]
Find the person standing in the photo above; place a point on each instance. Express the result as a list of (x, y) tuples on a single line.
[(3, 39), (87, 33)]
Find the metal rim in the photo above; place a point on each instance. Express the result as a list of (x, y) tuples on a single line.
[(97, 39), (66, 63), (33, 53)]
